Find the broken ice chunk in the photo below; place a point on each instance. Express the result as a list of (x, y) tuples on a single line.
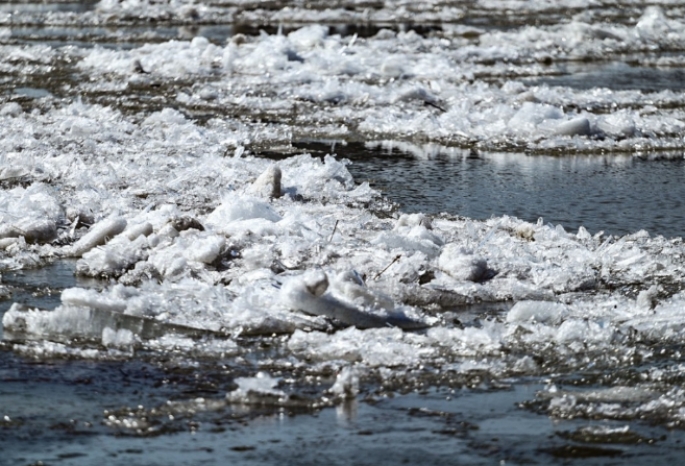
[(99, 234)]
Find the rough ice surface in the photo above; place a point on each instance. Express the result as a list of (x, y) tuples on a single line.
[(199, 245), (405, 86), (224, 276)]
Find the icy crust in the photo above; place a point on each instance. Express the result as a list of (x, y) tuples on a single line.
[(456, 90), (404, 86), (656, 397), (13, 57), (32, 214), (579, 40), (115, 13), (447, 16), (255, 12), (71, 168), (391, 13)]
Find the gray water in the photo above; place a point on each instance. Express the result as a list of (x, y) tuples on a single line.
[(615, 194), (617, 76), (53, 411)]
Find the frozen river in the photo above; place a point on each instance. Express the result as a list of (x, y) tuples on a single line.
[(351, 232)]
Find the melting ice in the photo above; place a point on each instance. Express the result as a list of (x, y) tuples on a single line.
[(194, 238), (188, 237)]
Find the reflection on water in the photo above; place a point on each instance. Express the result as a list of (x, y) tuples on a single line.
[(616, 76), (58, 420), (40, 288), (347, 412), (614, 194)]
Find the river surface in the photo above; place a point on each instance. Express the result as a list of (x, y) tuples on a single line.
[(77, 402), (614, 194)]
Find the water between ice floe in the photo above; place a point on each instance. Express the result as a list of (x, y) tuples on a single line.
[(616, 76), (614, 194), (435, 427)]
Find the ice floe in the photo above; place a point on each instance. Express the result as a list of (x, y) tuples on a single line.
[(397, 85), (181, 211), (264, 265), (198, 245)]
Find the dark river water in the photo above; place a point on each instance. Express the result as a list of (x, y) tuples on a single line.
[(617, 76), (615, 194)]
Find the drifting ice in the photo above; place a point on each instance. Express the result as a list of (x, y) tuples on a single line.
[(195, 238)]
